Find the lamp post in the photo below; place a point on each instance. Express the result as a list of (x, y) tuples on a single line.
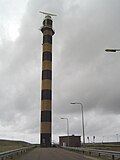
[(82, 120), (112, 50), (67, 129)]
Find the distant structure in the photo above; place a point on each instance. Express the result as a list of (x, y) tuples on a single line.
[(74, 141), (46, 92)]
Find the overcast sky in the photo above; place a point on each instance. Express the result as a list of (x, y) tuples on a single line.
[(82, 70)]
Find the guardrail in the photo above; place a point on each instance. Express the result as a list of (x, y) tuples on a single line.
[(113, 154), (14, 152)]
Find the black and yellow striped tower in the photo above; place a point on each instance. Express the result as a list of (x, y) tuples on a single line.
[(46, 92)]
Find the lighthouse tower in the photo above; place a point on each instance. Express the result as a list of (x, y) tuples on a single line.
[(46, 91)]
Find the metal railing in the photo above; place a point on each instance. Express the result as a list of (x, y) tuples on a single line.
[(113, 154), (14, 152)]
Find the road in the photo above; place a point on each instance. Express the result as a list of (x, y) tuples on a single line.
[(53, 154)]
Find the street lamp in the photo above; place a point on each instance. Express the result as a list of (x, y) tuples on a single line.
[(67, 129), (112, 50), (82, 120)]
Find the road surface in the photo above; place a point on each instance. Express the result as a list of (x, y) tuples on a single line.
[(53, 154)]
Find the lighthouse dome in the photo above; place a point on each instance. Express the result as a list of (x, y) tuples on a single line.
[(47, 21)]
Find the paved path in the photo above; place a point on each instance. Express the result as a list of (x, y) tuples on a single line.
[(53, 154)]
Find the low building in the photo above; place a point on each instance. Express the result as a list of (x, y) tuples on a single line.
[(71, 141)]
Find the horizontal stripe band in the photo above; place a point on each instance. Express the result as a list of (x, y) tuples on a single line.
[(46, 116), (47, 39), (46, 139), (46, 84), (47, 56), (47, 74), (47, 47), (46, 105), (47, 65), (45, 127), (46, 94)]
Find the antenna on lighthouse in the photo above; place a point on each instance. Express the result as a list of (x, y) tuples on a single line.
[(48, 14)]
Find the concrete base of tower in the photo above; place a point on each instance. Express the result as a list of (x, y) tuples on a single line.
[(45, 140)]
